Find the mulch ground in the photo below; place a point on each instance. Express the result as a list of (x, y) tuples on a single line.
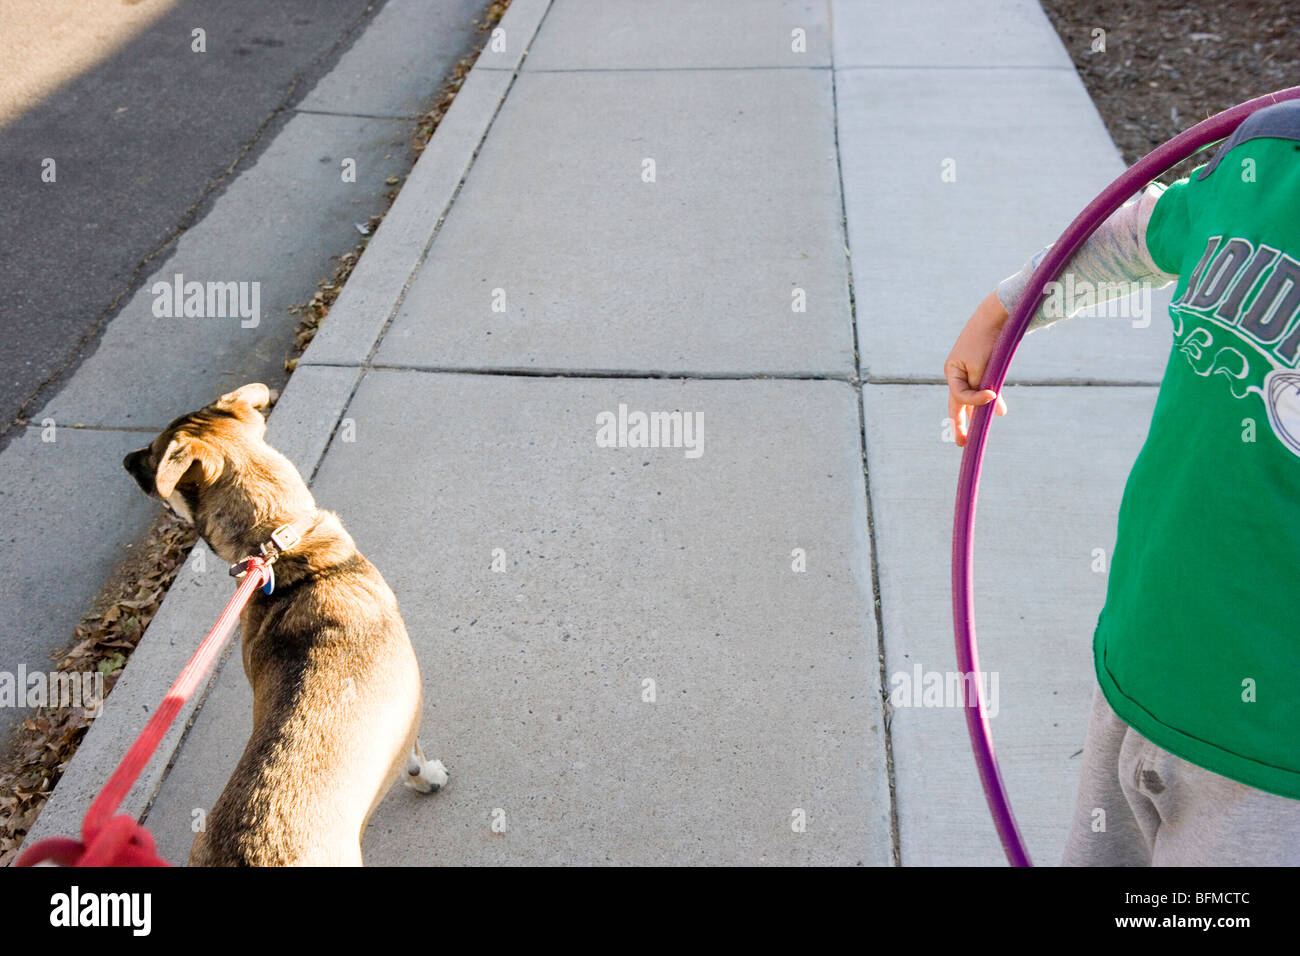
[(1168, 64)]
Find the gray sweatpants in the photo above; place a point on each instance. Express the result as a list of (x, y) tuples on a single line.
[(1139, 805)]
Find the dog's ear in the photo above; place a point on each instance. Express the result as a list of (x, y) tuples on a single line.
[(255, 394), (182, 454)]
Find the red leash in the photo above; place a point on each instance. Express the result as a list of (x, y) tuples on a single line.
[(109, 840)]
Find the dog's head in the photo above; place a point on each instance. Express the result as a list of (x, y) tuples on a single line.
[(213, 469)]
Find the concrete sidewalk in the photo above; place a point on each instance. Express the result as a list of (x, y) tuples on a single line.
[(736, 211)]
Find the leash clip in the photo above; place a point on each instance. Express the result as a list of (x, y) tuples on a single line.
[(241, 568), (282, 539)]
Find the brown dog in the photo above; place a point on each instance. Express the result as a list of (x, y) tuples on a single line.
[(336, 687)]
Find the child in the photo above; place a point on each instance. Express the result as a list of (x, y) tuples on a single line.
[(1193, 748)]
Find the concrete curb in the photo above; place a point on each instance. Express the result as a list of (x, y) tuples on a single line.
[(371, 296), (301, 426)]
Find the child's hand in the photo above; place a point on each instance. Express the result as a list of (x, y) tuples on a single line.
[(966, 362)]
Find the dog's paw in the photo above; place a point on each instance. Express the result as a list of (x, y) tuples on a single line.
[(429, 777)]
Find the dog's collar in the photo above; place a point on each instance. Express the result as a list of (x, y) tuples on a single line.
[(283, 538)]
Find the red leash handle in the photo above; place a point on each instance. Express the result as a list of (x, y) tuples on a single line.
[(109, 840)]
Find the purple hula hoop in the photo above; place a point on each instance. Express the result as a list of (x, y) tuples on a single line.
[(1111, 198)]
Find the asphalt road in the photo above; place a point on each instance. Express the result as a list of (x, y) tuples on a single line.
[(143, 131)]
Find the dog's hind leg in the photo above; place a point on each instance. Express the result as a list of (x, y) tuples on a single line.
[(427, 776)]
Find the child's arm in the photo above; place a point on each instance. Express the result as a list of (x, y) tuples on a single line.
[(1114, 255)]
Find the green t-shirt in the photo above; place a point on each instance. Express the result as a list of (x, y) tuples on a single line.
[(1198, 645)]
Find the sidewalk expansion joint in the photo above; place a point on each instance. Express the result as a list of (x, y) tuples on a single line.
[(877, 609), (934, 66), (676, 69), (632, 374), (1021, 382)]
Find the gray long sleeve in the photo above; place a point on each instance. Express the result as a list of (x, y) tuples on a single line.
[(1109, 263)]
